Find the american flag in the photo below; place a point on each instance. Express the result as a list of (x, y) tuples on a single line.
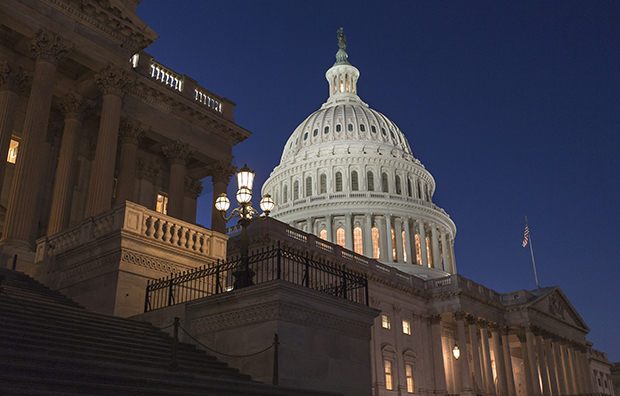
[(526, 236)]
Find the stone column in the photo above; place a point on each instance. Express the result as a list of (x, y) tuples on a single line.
[(559, 369), (438, 367), (573, 369), (579, 369), (130, 133), (220, 173), (453, 258), (348, 231), (410, 253), (178, 154), (570, 388), (542, 364), (388, 235), (531, 355), (48, 50), (553, 378), (114, 83), (464, 360), (434, 241), (510, 379), (423, 251), (309, 229), (398, 231), (586, 370), (526, 363), (13, 79), (330, 228), (499, 360), (74, 108), (473, 340), (487, 371), (193, 188), (368, 235), (444, 251)]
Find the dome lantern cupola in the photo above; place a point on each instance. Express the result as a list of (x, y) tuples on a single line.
[(342, 76)]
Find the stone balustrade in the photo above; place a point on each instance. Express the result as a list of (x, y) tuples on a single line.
[(166, 76)]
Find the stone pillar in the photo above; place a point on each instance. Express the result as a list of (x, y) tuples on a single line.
[(438, 367), (398, 231), (553, 378), (499, 360), (510, 379), (178, 154), (434, 241), (309, 225), (464, 360), (388, 235), (586, 370), (220, 173), (410, 252), (453, 262), (570, 387), (13, 79), (48, 50), (330, 228), (74, 108), (348, 231), (113, 83), (542, 364), (368, 235), (579, 369), (193, 188), (559, 367), (487, 371), (423, 251), (478, 386), (444, 252), (130, 133), (531, 355), (526, 363), (573, 369)]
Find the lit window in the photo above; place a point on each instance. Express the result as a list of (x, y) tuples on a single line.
[(323, 183), (338, 128), (338, 181), (404, 247), (384, 182), (394, 256), (371, 181), (406, 327), (358, 246), (398, 189), (409, 375), (162, 204), (428, 253), (296, 190), (323, 234), (418, 249), (376, 249), (385, 321), (285, 194), (354, 181), (12, 156), (308, 186), (389, 381), (340, 237)]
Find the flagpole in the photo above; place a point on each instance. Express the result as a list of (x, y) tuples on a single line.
[(532, 251)]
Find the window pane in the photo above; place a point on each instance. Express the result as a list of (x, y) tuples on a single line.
[(376, 249), (398, 189), (338, 181), (323, 234), (296, 190), (409, 375), (406, 327), (358, 246), (308, 186), (354, 182), (418, 249), (162, 204), (285, 194), (323, 183), (385, 321), (389, 385), (12, 156), (371, 181), (394, 256), (384, 182), (428, 253), (404, 247), (340, 237)]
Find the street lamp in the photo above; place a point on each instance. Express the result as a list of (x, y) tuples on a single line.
[(245, 212)]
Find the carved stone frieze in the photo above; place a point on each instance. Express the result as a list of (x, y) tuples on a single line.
[(193, 188), (13, 78), (178, 153), (74, 106), (113, 81), (49, 47), (556, 307), (131, 131), (221, 172), (150, 262)]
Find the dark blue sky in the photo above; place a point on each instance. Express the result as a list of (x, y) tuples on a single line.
[(513, 106)]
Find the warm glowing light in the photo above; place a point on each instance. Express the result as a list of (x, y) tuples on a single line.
[(456, 352), (245, 178), (267, 204), (222, 203), (244, 195)]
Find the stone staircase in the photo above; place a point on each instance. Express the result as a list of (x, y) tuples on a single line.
[(49, 345)]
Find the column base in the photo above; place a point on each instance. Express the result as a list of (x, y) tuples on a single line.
[(16, 254)]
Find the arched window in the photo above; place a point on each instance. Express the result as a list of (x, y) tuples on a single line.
[(338, 181), (358, 246), (394, 255), (370, 181), (419, 190), (376, 243), (323, 183), (323, 234), (350, 127), (398, 189), (285, 194), (404, 247), (384, 182), (308, 186), (340, 237), (418, 250), (296, 190), (409, 186), (354, 181), (429, 257)]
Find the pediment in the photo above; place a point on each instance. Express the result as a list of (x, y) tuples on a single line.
[(553, 302)]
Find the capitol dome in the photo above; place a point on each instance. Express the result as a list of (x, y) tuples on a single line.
[(347, 174)]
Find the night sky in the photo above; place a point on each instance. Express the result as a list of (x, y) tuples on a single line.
[(513, 106)]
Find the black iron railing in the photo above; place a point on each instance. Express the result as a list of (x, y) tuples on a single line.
[(268, 264)]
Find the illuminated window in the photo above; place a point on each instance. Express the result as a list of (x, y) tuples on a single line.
[(323, 234), (376, 247), (296, 190), (398, 189), (406, 327), (354, 181), (418, 249), (340, 237), (162, 203), (358, 246), (285, 194), (409, 375), (308, 186), (428, 253), (394, 257), (404, 247), (384, 182), (385, 321), (12, 156), (338, 181), (371, 181), (323, 182), (389, 380)]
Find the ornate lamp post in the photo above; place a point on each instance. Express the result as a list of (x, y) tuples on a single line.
[(245, 212)]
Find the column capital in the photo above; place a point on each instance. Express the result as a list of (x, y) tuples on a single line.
[(460, 315), (178, 153), (483, 323), (471, 319), (434, 319), (494, 327), (131, 131), (74, 106), (528, 328), (193, 188), (505, 330), (13, 78), (521, 336), (221, 171), (49, 47), (113, 81)]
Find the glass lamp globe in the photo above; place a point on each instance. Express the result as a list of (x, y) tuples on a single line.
[(456, 352), (222, 203), (245, 177), (244, 195), (267, 204)]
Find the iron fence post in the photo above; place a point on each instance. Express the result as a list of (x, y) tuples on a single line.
[(170, 292), (307, 271), (148, 292), (344, 283), (279, 255), (366, 288), (217, 278)]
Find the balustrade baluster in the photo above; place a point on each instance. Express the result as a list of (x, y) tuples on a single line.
[(167, 235), (174, 229), (159, 229), (198, 244), (183, 240), (190, 240), (151, 226)]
